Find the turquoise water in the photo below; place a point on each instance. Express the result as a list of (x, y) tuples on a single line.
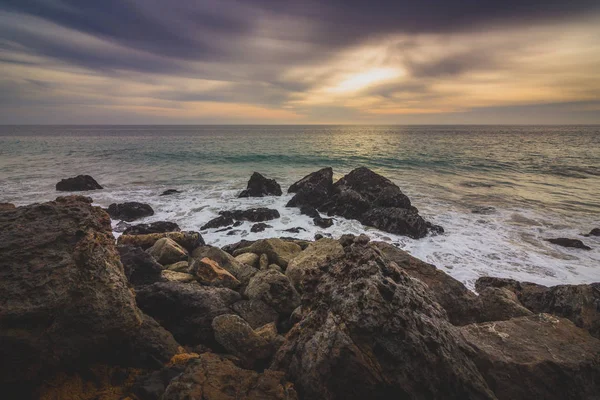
[(542, 181)]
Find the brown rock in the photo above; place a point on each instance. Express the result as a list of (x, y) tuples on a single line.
[(166, 251), (181, 266), (250, 259), (256, 312), (168, 275), (7, 206), (188, 240), (310, 260), (242, 272), (279, 252), (208, 272), (275, 289)]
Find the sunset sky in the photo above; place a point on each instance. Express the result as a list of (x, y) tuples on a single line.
[(299, 62)]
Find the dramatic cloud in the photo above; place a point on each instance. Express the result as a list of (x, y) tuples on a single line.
[(268, 61)]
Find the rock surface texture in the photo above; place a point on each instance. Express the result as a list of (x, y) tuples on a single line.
[(130, 211), (78, 184), (259, 186)]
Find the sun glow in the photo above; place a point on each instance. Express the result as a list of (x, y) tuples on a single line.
[(365, 79)]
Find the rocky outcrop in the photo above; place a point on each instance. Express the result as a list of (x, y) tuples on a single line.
[(323, 222), (259, 227), (278, 251), (309, 263), (275, 289), (63, 293), (256, 312), (151, 347), (153, 227), (140, 267), (218, 222), (400, 221), (130, 211), (188, 240), (78, 184), (566, 242), (212, 377), (240, 271), (313, 190), (209, 272), (233, 217), (259, 186)]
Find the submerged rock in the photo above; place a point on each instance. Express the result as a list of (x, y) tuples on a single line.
[(218, 222), (153, 227), (594, 232), (260, 214), (78, 184), (130, 211), (259, 186), (169, 192), (565, 242), (310, 211)]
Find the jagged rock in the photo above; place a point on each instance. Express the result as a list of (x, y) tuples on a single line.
[(242, 272), (181, 266), (63, 294), (188, 240), (186, 310), (152, 346), (140, 267), (259, 227), (154, 227), (536, 357), (218, 222), (374, 332), (578, 303), (166, 251), (275, 289), (565, 242), (374, 188), (259, 214), (309, 262), (279, 252), (400, 221), (310, 212), (499, 304), (209, 272), (170, 192), (323, 222), (250, 259), (78, 184), (256, 312), (130, 211), (6, 206), (259, 186), (212, 377), (346, 203), (312, 190)]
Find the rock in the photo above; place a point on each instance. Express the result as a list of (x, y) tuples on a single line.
[(181, 266), (499, 304), (63, 294), (242, 272), (310, 212), (318, 236), (154, 227), (121, 226), (167, 251), (6, 206), (373, 332), (188, 240), (218, 222), (261, 226), (230, 248), (485, 210), (565, 242), (169, 192), (279, 252), (78, 184), (250, 259), (168, 275), (400, 221), (275, 289), (373, 187), (578, 303), (186, 310), (130, 211), (140, 267), (260, 214), (362, 239), (263, 261), (212, 377), (434, 229), (346, 203), (536, 357), (152, 346), (323, 222), (594, 232), (294, 230), (259, 186), (236, 232), (256, 312), (209, 272), (312, 190), (310, 261), (239, 339)]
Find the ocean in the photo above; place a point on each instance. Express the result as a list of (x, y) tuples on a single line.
[(498, 191)]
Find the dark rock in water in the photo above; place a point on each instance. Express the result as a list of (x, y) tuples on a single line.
[(309, 211), (373, 187), (78, 184), (261, 226), (259, 186), (231, 248), (213, 377), (594, 232), (295, 230), (63, 294), (6, 206), (186, 309), (154, 227), (347, 203), (224, 229), (323, 222), (130, 211), (313, 190), (434, 229), (256, 312), (169, 192), (122, 226), (485, 210), (400, 221), (220, 221), (318, 236), (235, 232), (565, 242), (140, 267), (252, 214), (237, 223)]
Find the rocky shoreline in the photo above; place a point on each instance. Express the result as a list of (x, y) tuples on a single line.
[(160, 314)]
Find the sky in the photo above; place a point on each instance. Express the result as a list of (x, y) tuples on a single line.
[(299, 62)]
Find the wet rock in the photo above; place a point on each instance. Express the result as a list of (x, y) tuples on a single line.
[(346, 203), (169, 192), (260, 214), (186, 310), (536, 357), (242, 272), (250, 259), (313, 190), (140, 267), (130, 211), (212, 377), (236, 232), (485, 210), (323, 222), (78, 184), (166, 251), (188, 240), (259, 186), (565, 242), (63, 294), (310, 261), (168, 275), (275, 289), (218, 222), (256, 312), (224, 229), (153, 227), (294, 230), (310, 211), (279, 251), (121, 226), (400, 221), (434, 229), (6, 206), (594, 232), (318, 236), (181, 266), (209, 272), (259, 227)]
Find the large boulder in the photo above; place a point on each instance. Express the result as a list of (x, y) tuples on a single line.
[(311, 260), (346, 203), (372, 331), (536, 357), (209, 272), (240, 271), (213, 377), (275, 289), (189, 240), (313, 190), (153, 227), (400, 221), (218, 222), (140, 267), (186, 309), (152, 346), (63, 294), (256, 312), (78, 184), (259, 186), (278, 251), (130, 211), (166, 251)]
